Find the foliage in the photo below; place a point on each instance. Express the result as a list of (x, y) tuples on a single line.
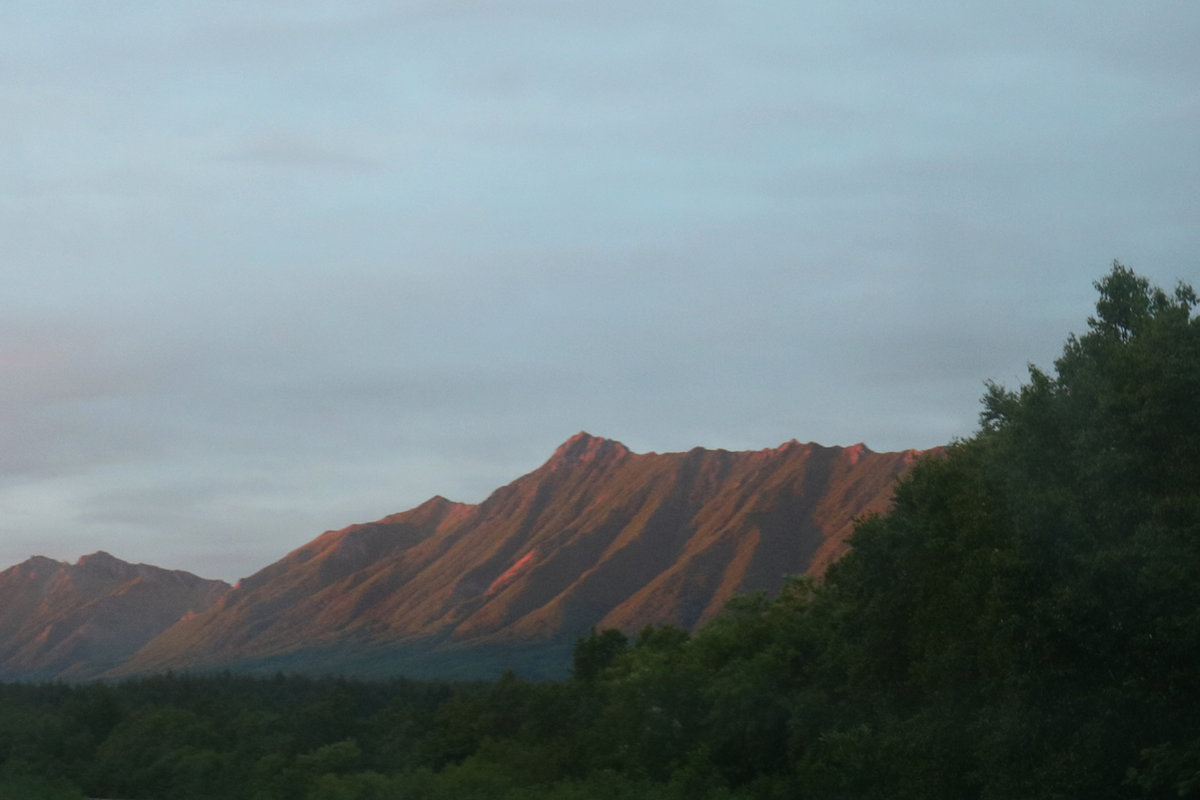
[(596, 652), (1024, 622)]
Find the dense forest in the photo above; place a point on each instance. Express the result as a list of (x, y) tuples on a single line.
[(1025, 623)]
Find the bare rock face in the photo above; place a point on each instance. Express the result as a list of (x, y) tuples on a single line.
[(597, 536), (62, 621)]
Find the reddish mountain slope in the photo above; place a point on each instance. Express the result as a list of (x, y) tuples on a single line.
[(64, 621), (596, 536)]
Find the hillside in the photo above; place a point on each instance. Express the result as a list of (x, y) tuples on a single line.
[(74, 621), (597, 536)]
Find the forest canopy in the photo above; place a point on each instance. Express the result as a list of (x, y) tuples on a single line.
[(1023, 623)]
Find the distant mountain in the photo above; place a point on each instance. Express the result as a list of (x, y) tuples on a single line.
[(597, 536), (74, 621)]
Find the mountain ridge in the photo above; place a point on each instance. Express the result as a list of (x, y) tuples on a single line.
[(75, 621), (597, 535)]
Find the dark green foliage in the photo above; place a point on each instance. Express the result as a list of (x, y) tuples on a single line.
[(1023, 624), (596, 652), (19, 782)]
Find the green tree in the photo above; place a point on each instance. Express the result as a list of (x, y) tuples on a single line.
[(1024, 622), (19, 782), (596, 651), (163, 751)]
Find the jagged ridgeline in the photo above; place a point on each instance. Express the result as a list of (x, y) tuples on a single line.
[(597, 536), (75, 621)]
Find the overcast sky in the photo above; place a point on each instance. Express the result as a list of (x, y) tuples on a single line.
[(271, 268)]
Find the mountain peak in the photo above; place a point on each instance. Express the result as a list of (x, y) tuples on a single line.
[(432, 511), (109, 566), (74, 621), (36, 566), (583, 447), (438, 502), (99, 559)]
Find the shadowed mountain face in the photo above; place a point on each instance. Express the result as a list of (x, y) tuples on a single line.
[(597, 536), (74, 621)]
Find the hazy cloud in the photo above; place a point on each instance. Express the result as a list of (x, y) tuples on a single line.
[(271, 269)]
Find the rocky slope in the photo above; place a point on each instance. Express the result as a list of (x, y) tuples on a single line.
[(597, 536), (74, 621)]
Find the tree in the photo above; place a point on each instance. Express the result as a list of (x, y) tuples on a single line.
[(1025, 622), (595, 652)]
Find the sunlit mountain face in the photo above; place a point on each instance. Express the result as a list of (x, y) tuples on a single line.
[(597, 536), (74, 621)]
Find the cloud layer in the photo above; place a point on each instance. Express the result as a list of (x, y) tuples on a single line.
[(275, 268)]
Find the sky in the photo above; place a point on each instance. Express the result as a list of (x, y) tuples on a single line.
[(273, 268)]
